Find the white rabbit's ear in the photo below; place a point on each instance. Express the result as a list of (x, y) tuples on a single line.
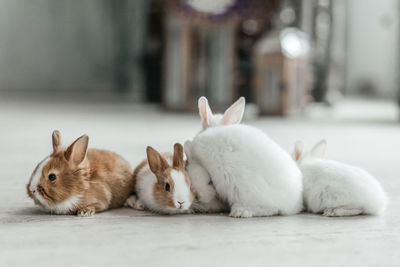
[(205, 112), (234, 114), (319, 149), (298, 150), (187, 148)]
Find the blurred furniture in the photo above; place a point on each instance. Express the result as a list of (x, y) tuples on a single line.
[(282, 75), (208, 48), (130, 29), (199, 60)]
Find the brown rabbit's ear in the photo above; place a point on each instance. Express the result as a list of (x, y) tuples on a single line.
[(205, 111), (56, 138), (298, 150), (234, 114), (319, 149), (157, 163), (178, 162), (76, 152)]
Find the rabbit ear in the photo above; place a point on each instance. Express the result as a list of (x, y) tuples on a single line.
[(187, 148), (76, 152), (205, 111), (177, 161), (298, 150), (319, 149), (156, 162), (234, 114), (56, 138)]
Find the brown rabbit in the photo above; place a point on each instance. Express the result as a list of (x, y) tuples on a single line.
[(162, 183), (81, 181)]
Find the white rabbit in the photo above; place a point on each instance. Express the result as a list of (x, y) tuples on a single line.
[(249, 171), (337, 189), (206, 199)]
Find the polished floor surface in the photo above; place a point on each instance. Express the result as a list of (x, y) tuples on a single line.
[(363, 134)]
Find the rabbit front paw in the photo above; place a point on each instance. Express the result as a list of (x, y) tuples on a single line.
[(130, 202), (86, 211), (342, 211), (134, 203), (240, 212)]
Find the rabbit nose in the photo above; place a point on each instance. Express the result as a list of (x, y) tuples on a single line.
[(181, 202)]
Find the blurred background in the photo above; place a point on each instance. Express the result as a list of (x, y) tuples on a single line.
[(129, 72), (282, 55)]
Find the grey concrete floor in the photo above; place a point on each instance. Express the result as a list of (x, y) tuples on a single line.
[(358, 133)]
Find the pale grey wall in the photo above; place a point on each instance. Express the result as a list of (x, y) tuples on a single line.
[(373, 45), (56, 45)]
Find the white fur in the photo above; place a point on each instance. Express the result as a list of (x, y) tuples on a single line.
[(337, 189), (249, 171), (216, 120), (60, 208), (145, 195), (66, 206), (181, 190), (35, 179), (207, 198)]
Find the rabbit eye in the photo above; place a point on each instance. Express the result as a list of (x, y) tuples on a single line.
[(167, 187), (52, 177)]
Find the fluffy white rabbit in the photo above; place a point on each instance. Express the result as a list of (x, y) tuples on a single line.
[(337, 189), (206, 199), (250, 172)]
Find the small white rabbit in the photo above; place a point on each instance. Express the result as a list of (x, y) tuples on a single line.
[(249, 171), (206, 199), (337, 189)]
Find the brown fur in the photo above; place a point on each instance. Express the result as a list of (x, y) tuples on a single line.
[(163, 197), (158, 165), (103, 178)]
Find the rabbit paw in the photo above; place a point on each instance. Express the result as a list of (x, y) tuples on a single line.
[(86, 211), (190, 211), (138, 205), (329, 212), (130, 202), (240, 212), (134, 203), (342, 211)]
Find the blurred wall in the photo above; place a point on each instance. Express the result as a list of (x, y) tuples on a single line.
[(372, 58), (56, 45)]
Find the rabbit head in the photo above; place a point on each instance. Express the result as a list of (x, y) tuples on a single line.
[(62, 175)]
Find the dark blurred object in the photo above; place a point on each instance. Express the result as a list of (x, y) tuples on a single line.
[(325, 22), (130, 23), (202, 55), (249, 32), (154, 51), (322, 40), (282, 77)]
